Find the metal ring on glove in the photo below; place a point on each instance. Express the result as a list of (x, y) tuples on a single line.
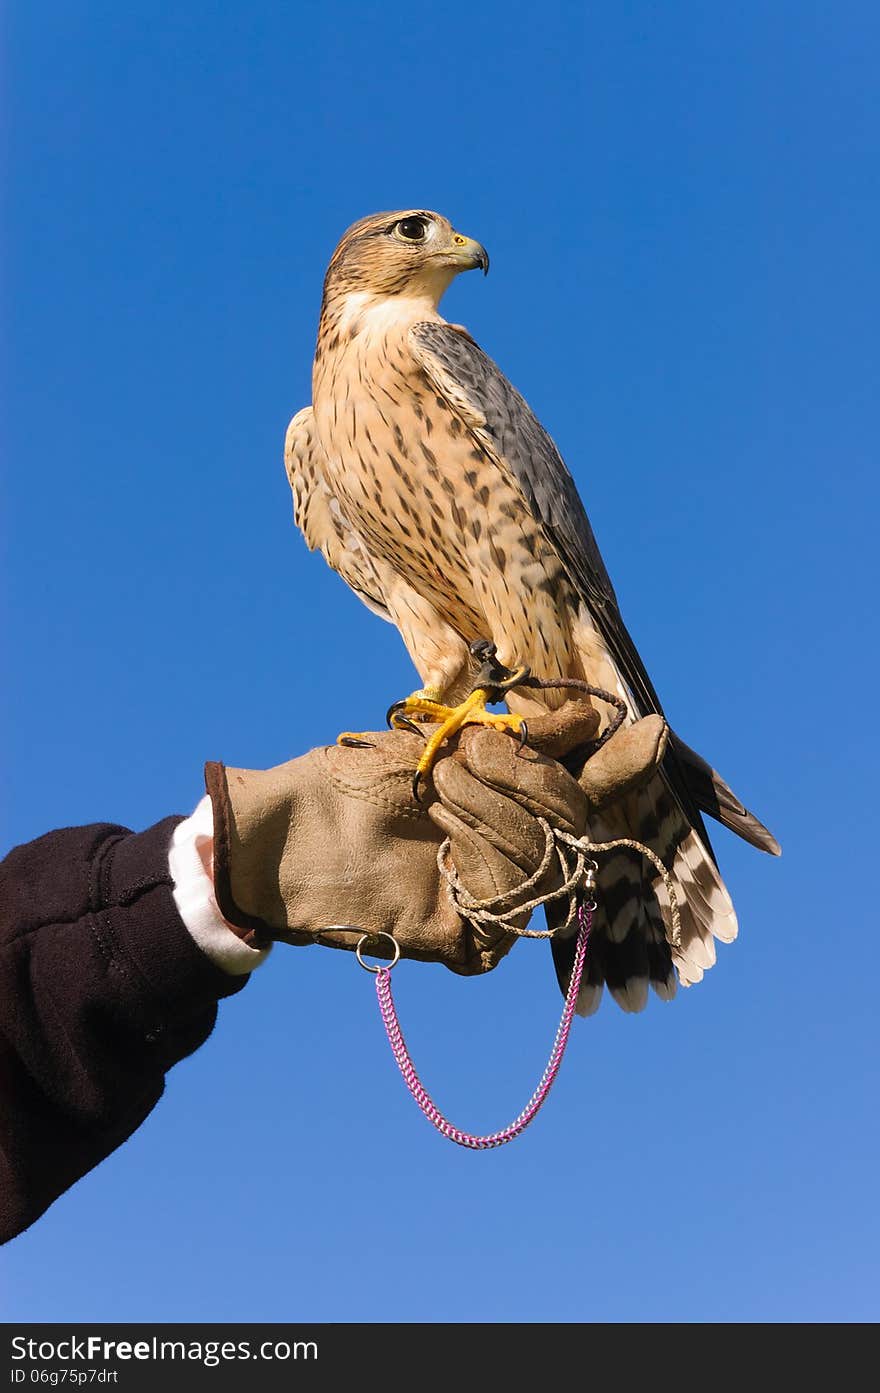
[(386, 967)]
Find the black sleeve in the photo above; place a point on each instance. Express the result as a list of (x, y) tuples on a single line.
[(102, 990)]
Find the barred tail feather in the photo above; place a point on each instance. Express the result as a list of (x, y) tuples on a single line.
[(631, 944)]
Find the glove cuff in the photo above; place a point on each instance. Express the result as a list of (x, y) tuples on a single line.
[(252, 930)]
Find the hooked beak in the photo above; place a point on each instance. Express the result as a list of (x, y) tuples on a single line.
[(467, 255)]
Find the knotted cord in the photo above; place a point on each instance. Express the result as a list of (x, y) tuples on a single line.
[(502, 911)]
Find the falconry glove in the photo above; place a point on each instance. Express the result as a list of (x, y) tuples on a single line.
[(333, 845)]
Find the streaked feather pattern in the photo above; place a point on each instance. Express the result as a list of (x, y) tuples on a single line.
[(429, 485)]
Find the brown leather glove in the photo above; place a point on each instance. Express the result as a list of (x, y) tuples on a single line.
[(335, 838)]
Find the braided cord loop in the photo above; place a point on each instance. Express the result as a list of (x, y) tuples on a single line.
[(576, 868), (532, 1107)]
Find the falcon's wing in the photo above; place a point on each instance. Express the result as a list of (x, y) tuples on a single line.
[(504, 424), (318, 515), (630, 947)]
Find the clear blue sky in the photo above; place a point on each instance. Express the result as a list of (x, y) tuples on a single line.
[(681, 204)]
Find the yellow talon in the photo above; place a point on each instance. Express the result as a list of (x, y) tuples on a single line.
[(451, 719), (426, 707)]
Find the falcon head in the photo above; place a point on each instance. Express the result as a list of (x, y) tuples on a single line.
[(411, 253)]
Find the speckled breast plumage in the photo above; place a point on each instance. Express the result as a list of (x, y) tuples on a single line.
[(434, 506)]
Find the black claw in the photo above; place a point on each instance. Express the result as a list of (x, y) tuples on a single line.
[(353, 744), (394, 707), (404, 723), (523, 736), (417, 776)]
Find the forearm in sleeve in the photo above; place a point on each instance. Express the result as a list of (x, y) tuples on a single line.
[(102, 989)]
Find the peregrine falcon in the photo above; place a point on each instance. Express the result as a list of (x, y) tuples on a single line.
[(428, 484)]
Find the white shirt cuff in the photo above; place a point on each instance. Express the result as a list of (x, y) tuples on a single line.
[(190, 861)]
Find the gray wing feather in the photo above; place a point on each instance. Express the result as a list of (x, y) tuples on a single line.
[(718, 799)]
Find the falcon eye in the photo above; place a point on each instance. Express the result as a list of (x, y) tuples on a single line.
[(412, 229)]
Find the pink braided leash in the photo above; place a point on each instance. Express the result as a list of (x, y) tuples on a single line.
[(533, 1106)]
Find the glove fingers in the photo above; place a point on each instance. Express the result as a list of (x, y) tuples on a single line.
[(501, 823), (487, 874), (477, 860), (530, 780), (628, 760)]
